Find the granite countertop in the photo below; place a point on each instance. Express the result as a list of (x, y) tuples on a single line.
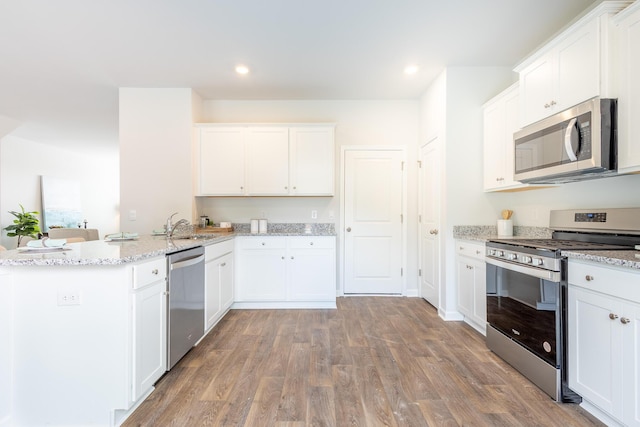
[(617, 258), (100, 252)]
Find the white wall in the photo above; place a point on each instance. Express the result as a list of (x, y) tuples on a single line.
[(451, 108), (22, 162), (532, 207), (390, 123), (155, 156)]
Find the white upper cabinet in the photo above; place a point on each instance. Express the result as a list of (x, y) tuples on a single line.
[(628, 35), (500, 123), (221, 161), (572, 68), (265, 160), (268, 161), (311, 161)]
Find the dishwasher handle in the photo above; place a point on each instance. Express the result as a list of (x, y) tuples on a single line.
[(186, 262)]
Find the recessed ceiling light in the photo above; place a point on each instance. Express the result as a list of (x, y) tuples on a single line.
[(411, 69), (242, 69)]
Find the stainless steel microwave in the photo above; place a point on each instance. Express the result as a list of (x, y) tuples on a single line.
[(576, 144)]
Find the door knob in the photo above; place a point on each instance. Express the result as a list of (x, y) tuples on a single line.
[(348, 229)]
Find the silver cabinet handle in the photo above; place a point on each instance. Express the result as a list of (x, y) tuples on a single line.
[(588, 278), (433, 231), (291, 257), (311, 243), (223, 264), (282, 257), (625, 321), (154, 271), (348, 229), (263, 243), (613, 316)]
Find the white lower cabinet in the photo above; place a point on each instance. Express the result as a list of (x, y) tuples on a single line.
[(219, 273), (604, 341), (285, 272), (471, 283), (149, 325)]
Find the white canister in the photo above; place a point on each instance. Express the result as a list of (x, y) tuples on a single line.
[(254, 226), (262, 227), (505, 228)]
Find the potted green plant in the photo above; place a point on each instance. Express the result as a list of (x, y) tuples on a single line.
[(25, 224)]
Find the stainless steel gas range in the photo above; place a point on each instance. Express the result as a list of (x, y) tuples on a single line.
[(527, 291)]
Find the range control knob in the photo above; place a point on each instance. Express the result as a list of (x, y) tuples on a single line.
[(499, 253), (527, 259), (538, 261), (491, 252), (512, 257)]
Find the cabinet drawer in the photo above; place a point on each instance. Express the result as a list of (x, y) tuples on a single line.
[(149, 272), (262, 242), (216, 250), (312, 242), (470, 249), (610, 281)]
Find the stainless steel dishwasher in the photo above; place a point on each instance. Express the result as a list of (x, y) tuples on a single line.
[(185, 325)]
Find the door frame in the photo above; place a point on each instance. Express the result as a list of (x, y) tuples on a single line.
[(340, 224)]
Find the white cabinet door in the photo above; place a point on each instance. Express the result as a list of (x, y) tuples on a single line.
[(594, 340), (311, 161), (537, 84), (226, 268), (149, 337), (629, 97), (480, 294), (212, 304), (261, 269), (631, 363), (221, 161), (268, 161), (500, 123), (311, 272), (465, 286), (578, 67)]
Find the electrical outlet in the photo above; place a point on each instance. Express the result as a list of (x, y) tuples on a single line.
[(332, 215), (133, 215), (314, 214), (69, 298)]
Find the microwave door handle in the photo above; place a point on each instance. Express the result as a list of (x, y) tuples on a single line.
[(567, 140)]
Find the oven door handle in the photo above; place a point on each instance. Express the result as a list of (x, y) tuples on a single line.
[(552, 276)]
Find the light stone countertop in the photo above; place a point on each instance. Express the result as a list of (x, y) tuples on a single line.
[(100, 252), (484, 233), (616, 258)]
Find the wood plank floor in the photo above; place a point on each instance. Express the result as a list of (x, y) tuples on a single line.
[(375, 361)]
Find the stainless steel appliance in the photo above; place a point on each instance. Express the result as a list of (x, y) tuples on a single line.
[(527, 291), (186, 302), (576, 144)]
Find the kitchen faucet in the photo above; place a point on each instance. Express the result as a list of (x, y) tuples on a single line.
[(172, 227)]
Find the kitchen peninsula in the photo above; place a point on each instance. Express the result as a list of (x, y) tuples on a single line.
[(83, 330)]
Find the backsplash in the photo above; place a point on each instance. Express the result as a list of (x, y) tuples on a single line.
[(275, 228)]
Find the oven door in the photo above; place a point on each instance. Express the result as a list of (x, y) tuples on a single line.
[(526, 308)]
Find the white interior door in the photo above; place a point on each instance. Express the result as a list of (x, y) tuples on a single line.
[(429, 191), (373, 222)]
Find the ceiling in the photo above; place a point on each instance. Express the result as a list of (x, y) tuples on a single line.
[(62, 62)]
